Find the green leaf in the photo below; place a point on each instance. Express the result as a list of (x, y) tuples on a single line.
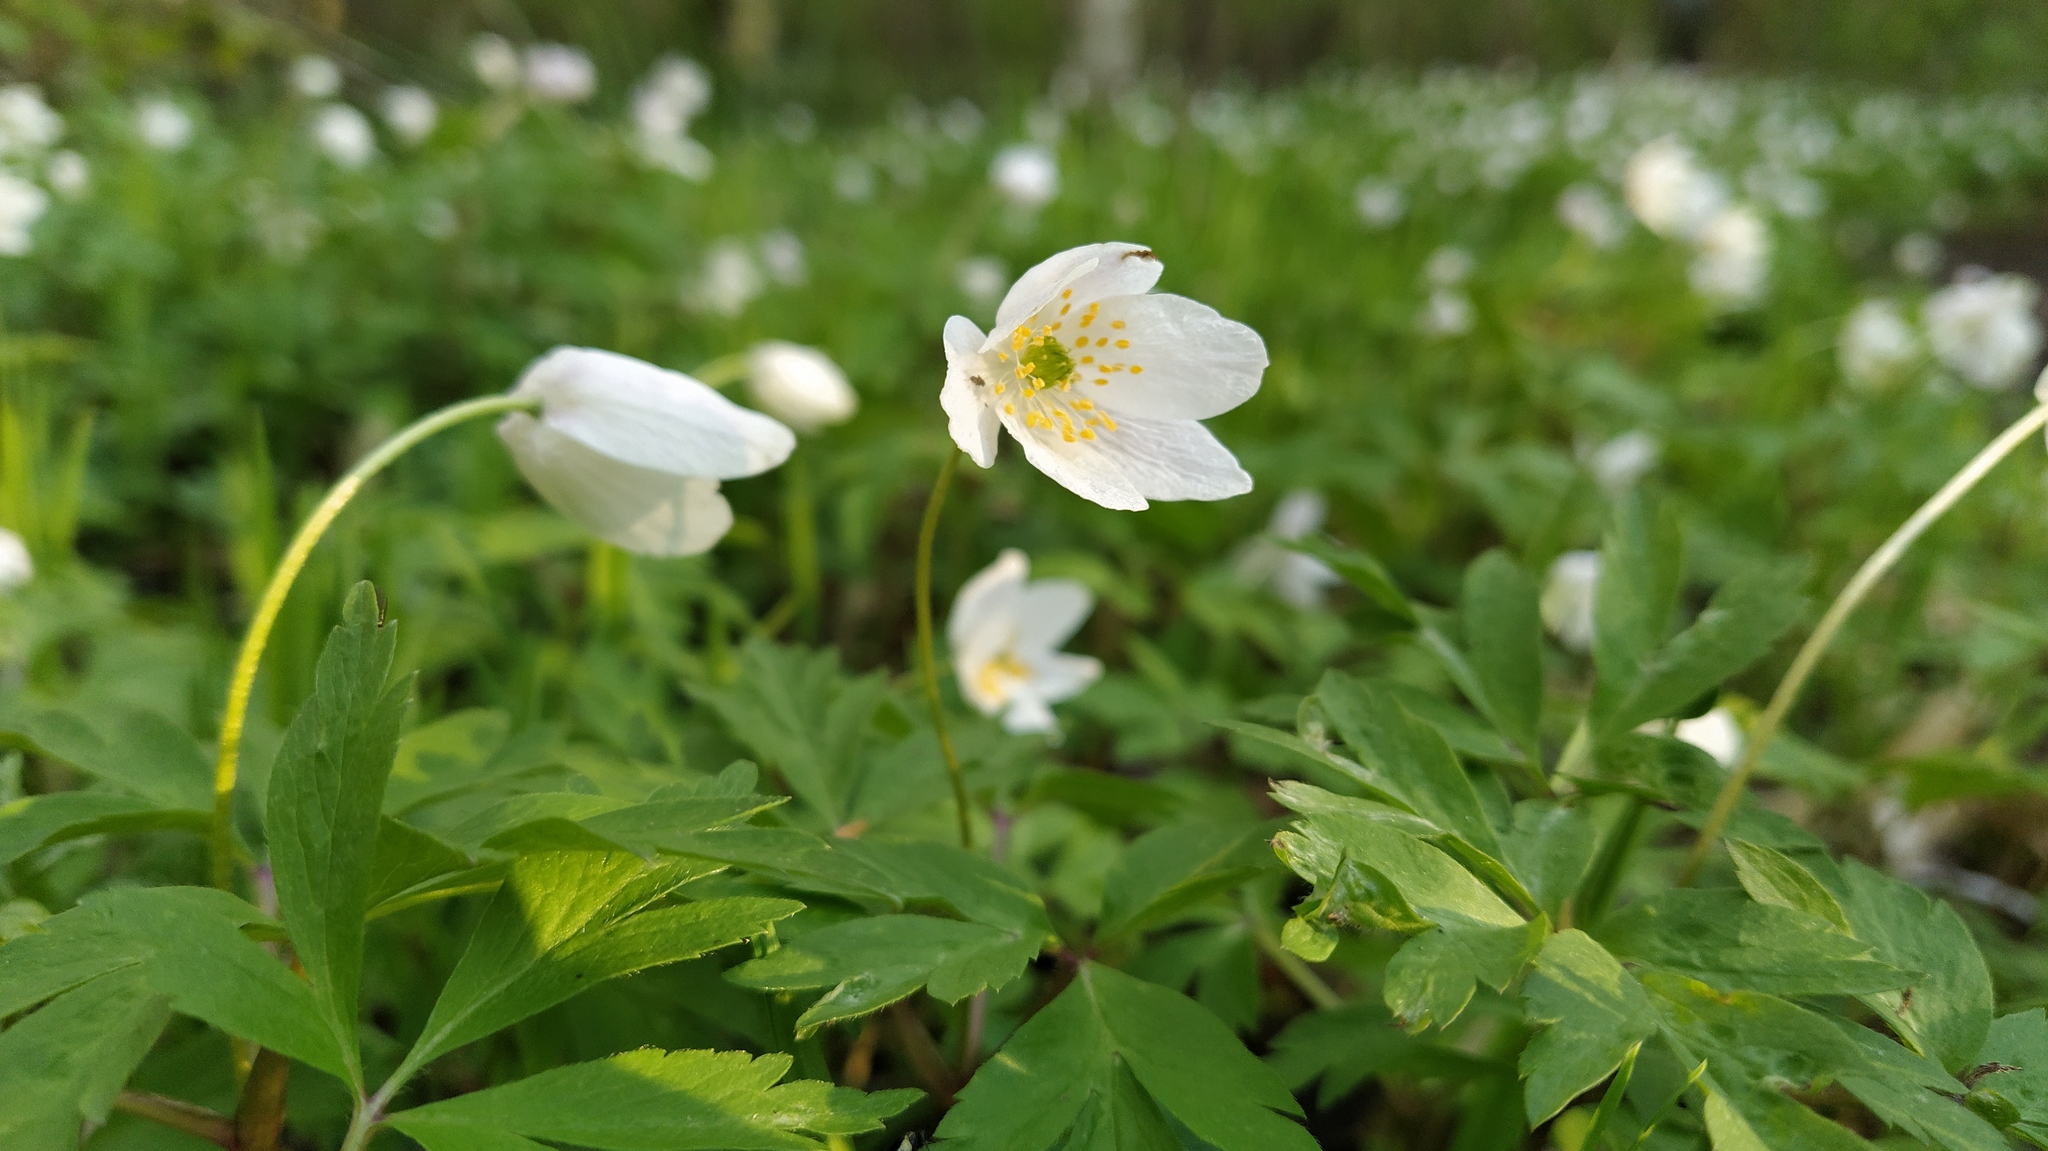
[(1550, 849), (62, 1065), (1739, 625), (1593, 1013), (1946, 1013), (1366, 869), (326, 798), (802, 716), (1641, 563), (464, 753), (188, 944), (564, 922), (136, 750), (1344, 1046), (1330, 767), (407, 857), (575, 821), (1361, 571), (1058, 1074), (1654, 768), (1169, 869), (1504, 644), (1394, 744), (1727, 942), (2018, 1044), (38, 821), (1430, 980), (673, 1100), (874, 961), (1770, 876)]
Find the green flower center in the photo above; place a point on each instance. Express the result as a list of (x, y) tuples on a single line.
[(1046, 360)]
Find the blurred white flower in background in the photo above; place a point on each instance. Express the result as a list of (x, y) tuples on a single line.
[(961, 121), (1567, 603), (1028, 175), (16, 566), (559, 74), (437, 220), (1297, 579), (162, 125), (1102, 382), (633, 453), (1448, 266), (21, 205), (1669, 191), (1983, 328), (853, 179), (729, 282), (1148, 121), (1878, 344), (1793, 195), (1448, 313), (1005, 631), (981, 279), (1715, 733), (315, 77), (796, 122), (672, 95), (782, 254), (410, 112), (1380, 203), (1617, 464), (344, 136), (495, 62), (69, 174), (1589, 211), (800, 386), (1917, 254), (27, 125), (1732, 258)]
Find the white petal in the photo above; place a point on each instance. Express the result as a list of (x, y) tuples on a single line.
[(639, 414), (1050, 611), (972, 424), (991, 596), (1028, 715), (1082, 468), (1176, 460), (642, 510), (962, 338), (1192, 363), (1093, 271), (1059, 676)]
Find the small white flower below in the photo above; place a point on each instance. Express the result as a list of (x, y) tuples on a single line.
[(1669, 191), (162, 125), (315, 77), (1878, 345), (17, 568), (559, 74), (800, 386), (495, 62), (344, 136), (21, 205), (1028, 175), (1006, 631), (27, 124), (1715, 733), (1567, 603), (69, 175), (1733, 262), (411, 113), (1983, 327)]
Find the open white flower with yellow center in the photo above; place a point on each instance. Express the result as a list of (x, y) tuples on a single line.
[(1102, 382), (633, 453), (1006, 630)]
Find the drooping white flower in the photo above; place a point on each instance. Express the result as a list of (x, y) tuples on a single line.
[(1380, 203), (729, 282), (1878, 344), (1617, 464), (21, 205), (1028, 175), (495, 62), (1567, 603), (1006, 630), (162, 125), (1983, 328), (1669, 191), (69, 174), (559, 74), (1102, 383), (800, 386), (1715, 733), (27, 125), (1299, 580), (16, 566), (1732, 263), (633, 452), (344, 136), (315, 77), (1587, 210), (411, 113)]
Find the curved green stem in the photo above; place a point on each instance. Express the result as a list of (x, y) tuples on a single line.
[(243, 679), (1816, 645), (726, 369), (927, 657)]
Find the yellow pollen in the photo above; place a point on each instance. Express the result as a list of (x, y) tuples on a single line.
[(1087, 359), (1086, 434), (1085, 405), (1009, 409), (1102, 381), (1118, 324), (1123, 343), (1135, 369), (1067, 295), (1065, 308)]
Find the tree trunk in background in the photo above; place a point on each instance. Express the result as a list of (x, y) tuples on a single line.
[(750, 35)]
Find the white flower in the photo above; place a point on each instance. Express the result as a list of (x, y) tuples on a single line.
[(1380, 204), (679, 155), (1028, 175), (16, 566), (495, 62), (1587, 210), (559, 74), (1448, 313), (782, 253), (672, 95), (981, 279), (1102, 383), (1668, 190), (1917, 254), (21, 205), (315, 77), (1448, 266), (411, 113), (800, 386), (1877, 344), (1715, 733), (27, 125), (344, 135), (1006, 633), (853, 179), (1617, 464), (163, 125), (729, 282), (1297, 579), (1733, 260), (1984, 328), (69, 175), (1567, 603), (633, 452)]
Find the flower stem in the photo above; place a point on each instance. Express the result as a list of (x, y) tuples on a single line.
[(190, 1118), (927, 657), (1816, 645), (727, 369), (801, 519), (243, 680)]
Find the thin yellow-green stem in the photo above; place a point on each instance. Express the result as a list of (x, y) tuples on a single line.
[(927, 655), (727, 369), (243, 679), (800, 519), (1852, 594)]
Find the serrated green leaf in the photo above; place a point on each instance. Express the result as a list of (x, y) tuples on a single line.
[(1592, 1013), (2018, 1043), (1945, 1013), (1344, 1046), (674, 1100), (132, 748), (61, 1066), (1728, 942), (1770, 876), (1641, 562), (1549, 849), (1654, 768), (1361, 571), (466, 752), (1504, 645), (407, 857), (1056, 1073), (38, 821), (872, 962), (1367, 870), (1425, 772), (1171, 868), (574, 821), (803, 717), (1431, 979), (1739, 625)]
